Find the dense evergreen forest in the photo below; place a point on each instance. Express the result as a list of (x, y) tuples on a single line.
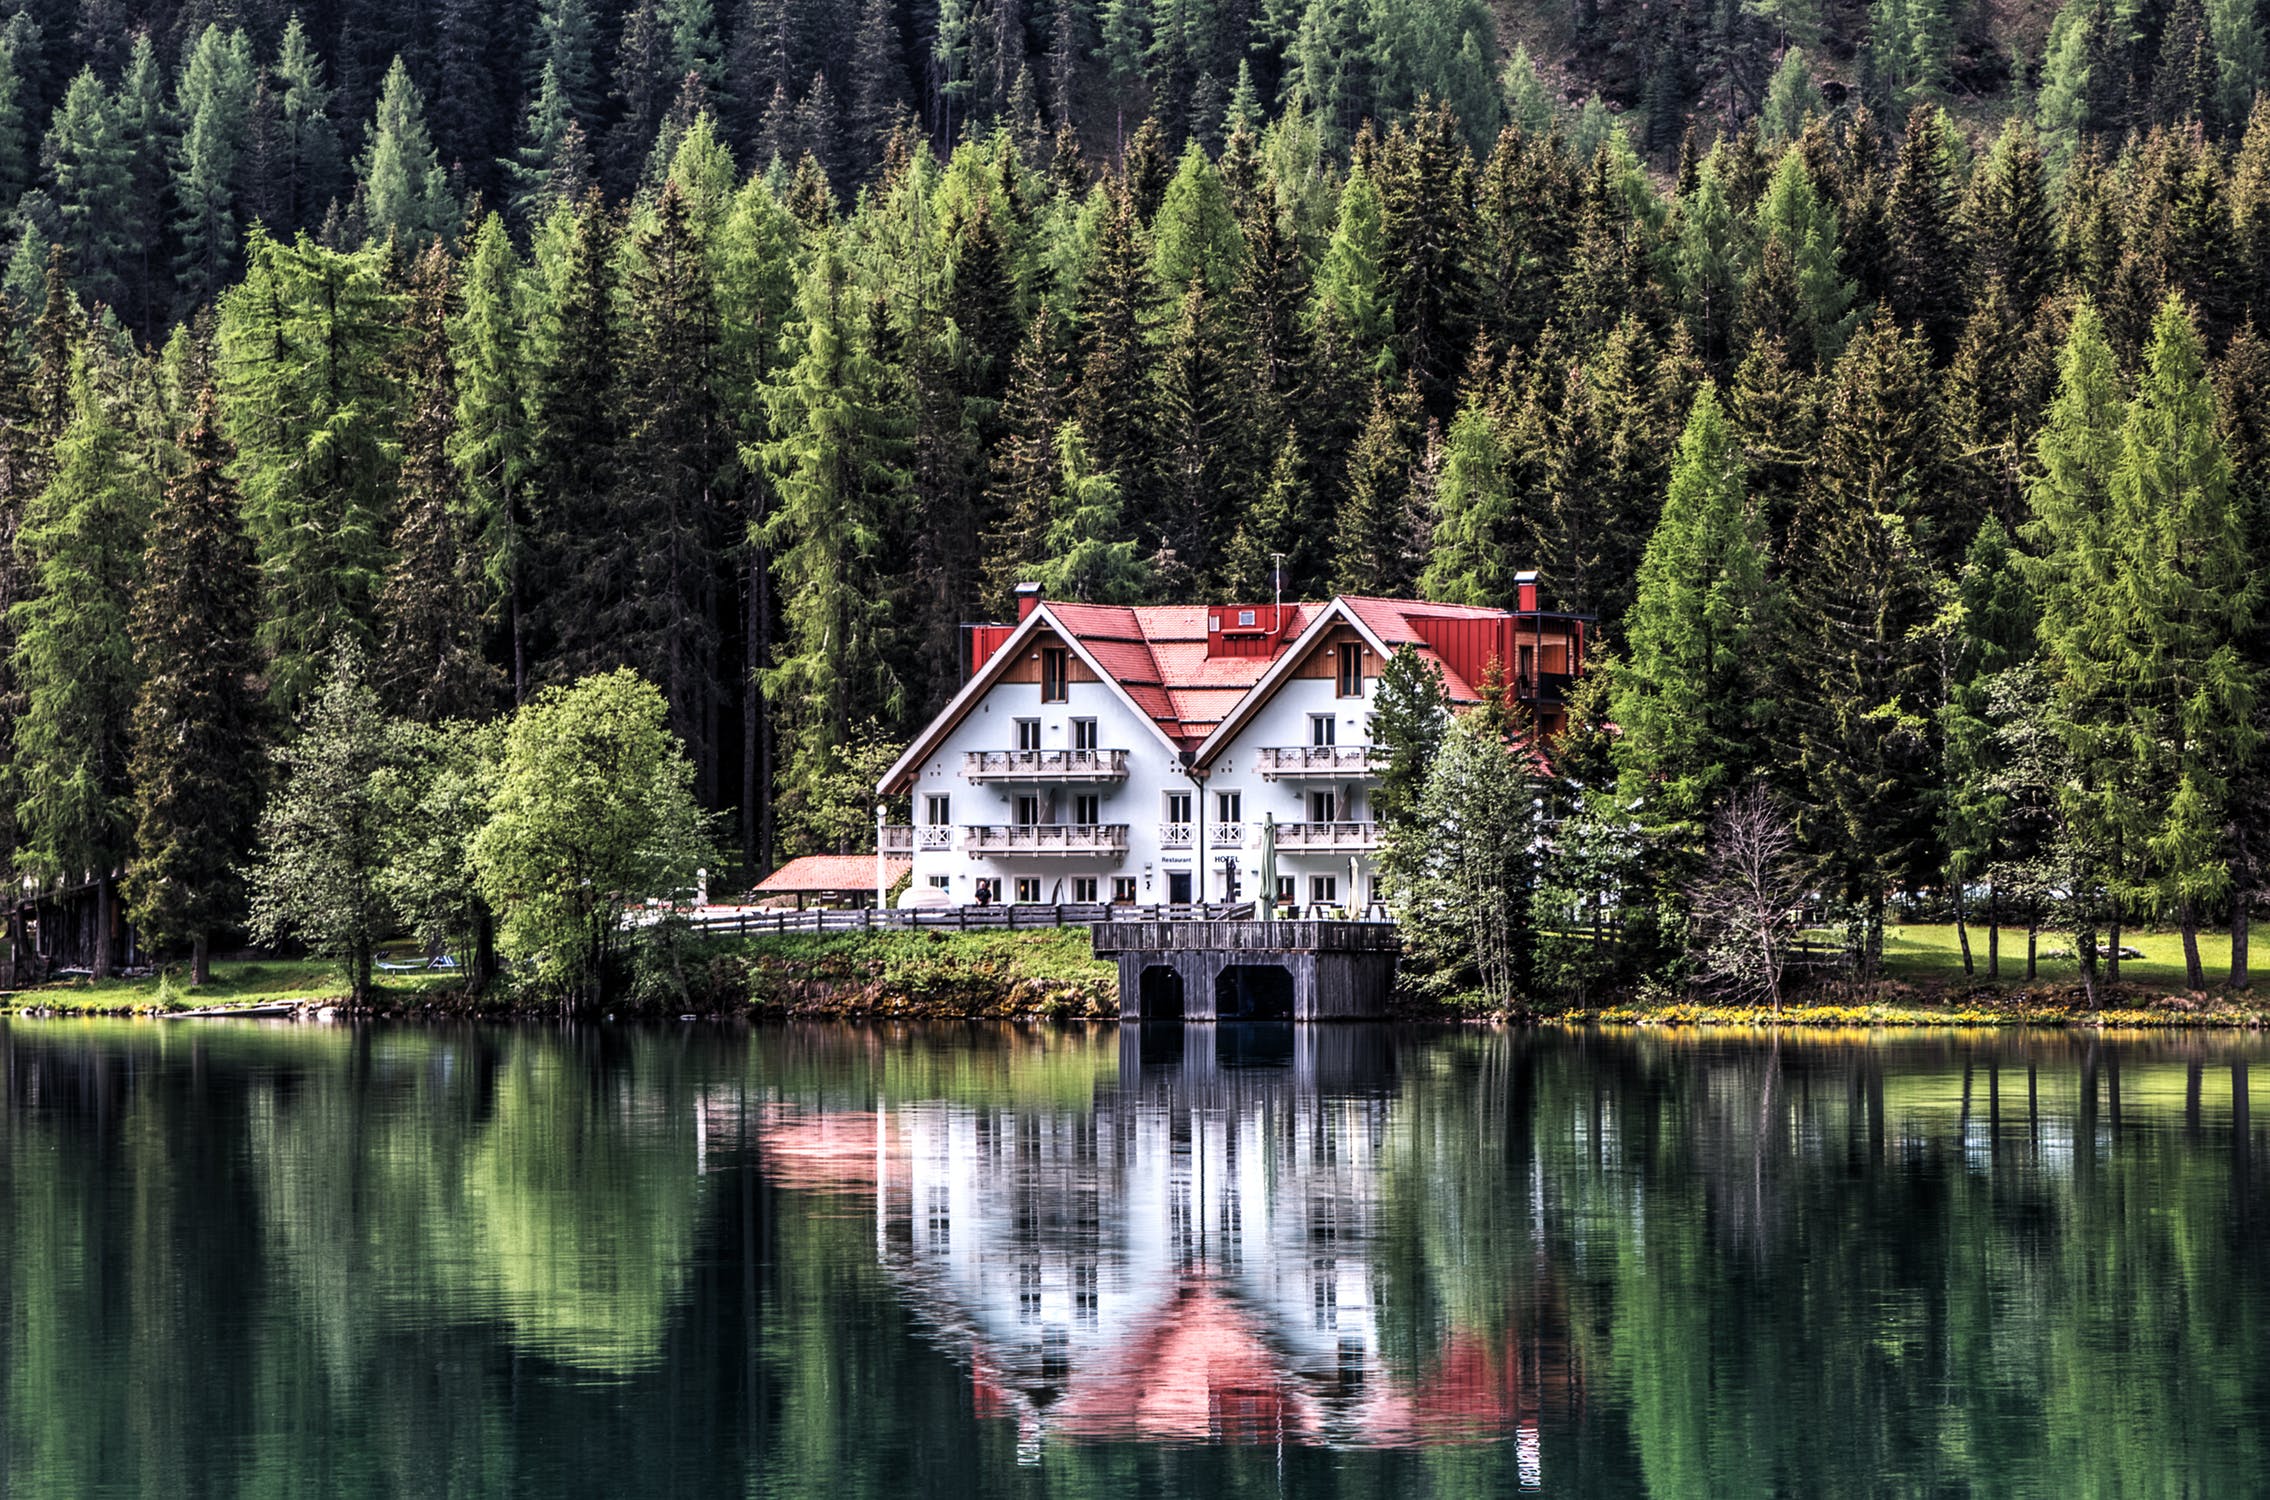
[(1888, 384)]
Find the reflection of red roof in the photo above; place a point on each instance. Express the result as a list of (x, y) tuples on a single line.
[(1201, 1373), (832, 872)]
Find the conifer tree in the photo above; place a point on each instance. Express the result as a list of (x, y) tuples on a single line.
[(1796, 219), (1021, 481), (566, 43), (489, 439), (308, 394), (145, 125), (1200, 444), (1089, 557), (1270, 549), (81, 543), (878, 81), (2009, 223), (1694, 696), (1427, 232), (1979, 818), (840, 468), (1351, 280), (1475, 546), (195, 743), (675, 447), (2185, 579), (432, 604), (1372, 541), (1111, 405), (2070, 531), (573, 445), (1926, 273), (214, 102), (404, 190), (86, 161)]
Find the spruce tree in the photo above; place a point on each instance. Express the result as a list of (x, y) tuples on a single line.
[(214, 103), (574, 437), (87, 163), (566, 44), (1475, 545), (1200, 444), (196, 726), (1926, 282), (490, 439), (1427, 233), (840, 468), (433, 602), (1088, 557), (2070, 531), (1373, 536), (1980, 822), (2187, 590), (1269, 552), (405, 193), (1021, 480), (1112, 403), (1694, 693), (81, 544)]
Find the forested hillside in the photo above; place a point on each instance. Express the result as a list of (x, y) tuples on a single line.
[(1914, 468)]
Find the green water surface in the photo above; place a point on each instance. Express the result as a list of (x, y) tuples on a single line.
[(330, 1260)]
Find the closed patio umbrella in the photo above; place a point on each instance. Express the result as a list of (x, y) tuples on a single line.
[(1268, 892)]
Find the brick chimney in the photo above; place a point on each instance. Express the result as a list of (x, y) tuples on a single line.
[(1028, 600), (1525, 591)]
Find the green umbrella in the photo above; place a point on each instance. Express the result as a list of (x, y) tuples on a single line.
[(1267, 895)]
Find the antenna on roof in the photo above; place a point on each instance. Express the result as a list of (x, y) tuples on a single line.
[(1276, 594)]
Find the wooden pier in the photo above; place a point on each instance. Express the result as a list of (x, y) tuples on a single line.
[(1251, 971)]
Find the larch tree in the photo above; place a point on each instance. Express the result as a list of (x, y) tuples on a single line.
[(405, 192), (197, 721)]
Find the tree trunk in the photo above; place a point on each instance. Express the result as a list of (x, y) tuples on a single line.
[(1993, 932), (100, 963), (358, 973), (2033, 943), (2088, 942), (200, 960), (2242, 921), (2112, 952), (2194, 972), (483, 965), (1962, 926)]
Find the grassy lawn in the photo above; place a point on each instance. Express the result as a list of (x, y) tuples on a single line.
[(249, 983), (1934, 952)]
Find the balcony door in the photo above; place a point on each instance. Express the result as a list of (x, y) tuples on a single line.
[(1323, 731), (1323, 807), (1028, 811)]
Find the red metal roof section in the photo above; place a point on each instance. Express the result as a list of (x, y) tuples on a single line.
[(831, 872), (1188, 666)]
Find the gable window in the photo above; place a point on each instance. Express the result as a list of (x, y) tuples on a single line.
[(1351, 673), (1178, 807), (1323, 731), (937, 810), (1083, 734), (1229, 807), (1055, 674), (1028, 734)]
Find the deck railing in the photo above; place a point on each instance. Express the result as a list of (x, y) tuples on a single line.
[(1317, 760), (1044, 838), (1045, 765), (1012, 916), (1332, 838)]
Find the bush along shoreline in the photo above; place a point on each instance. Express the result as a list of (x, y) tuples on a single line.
[(1051, 976)]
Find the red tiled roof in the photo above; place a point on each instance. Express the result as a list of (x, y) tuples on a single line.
[(1157, 652), (832, 872)]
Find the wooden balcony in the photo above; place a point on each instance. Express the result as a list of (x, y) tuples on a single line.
[(1045, 838), (1045, 765), (1292, 762), (1327, 838)]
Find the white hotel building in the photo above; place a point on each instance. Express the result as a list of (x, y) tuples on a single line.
[(1134, 754)]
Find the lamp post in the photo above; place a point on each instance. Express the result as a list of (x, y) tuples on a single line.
[(881, 866)]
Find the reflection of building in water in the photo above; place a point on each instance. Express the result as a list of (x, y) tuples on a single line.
[(1193, 1258)]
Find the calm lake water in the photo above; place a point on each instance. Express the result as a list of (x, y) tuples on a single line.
[(327, 1260)]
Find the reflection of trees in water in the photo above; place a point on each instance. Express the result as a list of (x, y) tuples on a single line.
[(1995, 1262)]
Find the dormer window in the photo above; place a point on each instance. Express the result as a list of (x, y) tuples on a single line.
[(1245, 617), (1055, 674)]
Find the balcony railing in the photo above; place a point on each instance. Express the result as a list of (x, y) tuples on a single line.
[(1177, 835), (1045, 765), (1317, 760), (928, 837), (1327, 838), (1044, 838)]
